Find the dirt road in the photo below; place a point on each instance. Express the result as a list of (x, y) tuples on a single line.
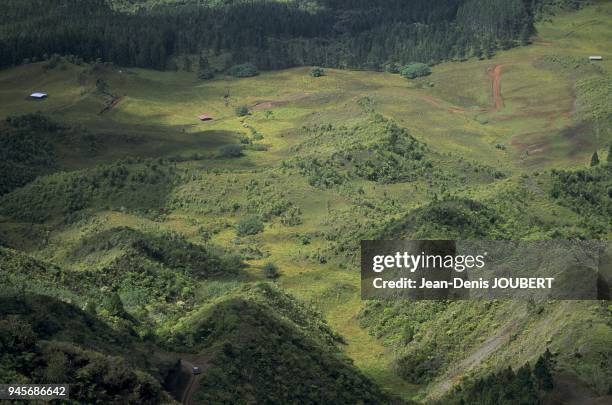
[(495, 75), (189, 390), (192, 385)]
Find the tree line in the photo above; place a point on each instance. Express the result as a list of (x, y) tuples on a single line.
[(268, 33)]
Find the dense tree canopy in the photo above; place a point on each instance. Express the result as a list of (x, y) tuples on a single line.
[(268, 33)]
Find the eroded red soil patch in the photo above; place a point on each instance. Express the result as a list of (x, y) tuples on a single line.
[(495, 75), (113, 104)]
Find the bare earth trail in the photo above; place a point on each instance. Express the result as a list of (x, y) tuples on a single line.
[(493, 343), (193, 384), (495, 75), (113, 104)]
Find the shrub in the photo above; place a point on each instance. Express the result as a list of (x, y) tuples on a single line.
[(204, 70), (205, 74), (242, 111), (391, 67), (249, 226), (258, 147), (292, 217), (33, 122), (245, 140), (594, 159), (230, 151), (304, 239), (115, 305), (317, 72), (270, 271), (243, 70), (414, 70), (120, 185)]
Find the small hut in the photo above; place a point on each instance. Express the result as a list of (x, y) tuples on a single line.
[(205, 117), (38, 96), (595, 58)]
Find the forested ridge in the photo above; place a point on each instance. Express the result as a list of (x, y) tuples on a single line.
[(271, 34)]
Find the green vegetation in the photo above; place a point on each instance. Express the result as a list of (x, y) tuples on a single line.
[(453, 218), (243, 70), (594, 159), (242, 111), (414, 70), (168, 249), (587, 192), (593, 95), (150, 236), (379, 151), (317, 72), (262, 344), (230, 151), (25, 150), (271, 34), (126, 185), (271, 271), (43, 340), (509, 387), (204, 70), (249, 226)]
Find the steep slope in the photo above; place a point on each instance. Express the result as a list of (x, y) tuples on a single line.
[(258, 344), (44, 340), (261, 346)]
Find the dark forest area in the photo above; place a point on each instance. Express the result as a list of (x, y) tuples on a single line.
[(334, 33)]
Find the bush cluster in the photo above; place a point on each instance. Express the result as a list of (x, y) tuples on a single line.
[(243, 70), (414, 70)]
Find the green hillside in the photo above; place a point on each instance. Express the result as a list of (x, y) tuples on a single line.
[(44, 339), (255, 353), (134, 235), (235, 332)]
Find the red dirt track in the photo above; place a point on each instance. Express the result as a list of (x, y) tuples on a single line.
[(113, 104), (495, 75)]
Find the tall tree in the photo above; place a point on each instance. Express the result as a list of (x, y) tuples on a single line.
[(541, 372), (187, 64), (204, 70), (594, 159)]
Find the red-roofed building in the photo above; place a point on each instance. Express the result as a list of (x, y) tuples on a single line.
[(205, 117)]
